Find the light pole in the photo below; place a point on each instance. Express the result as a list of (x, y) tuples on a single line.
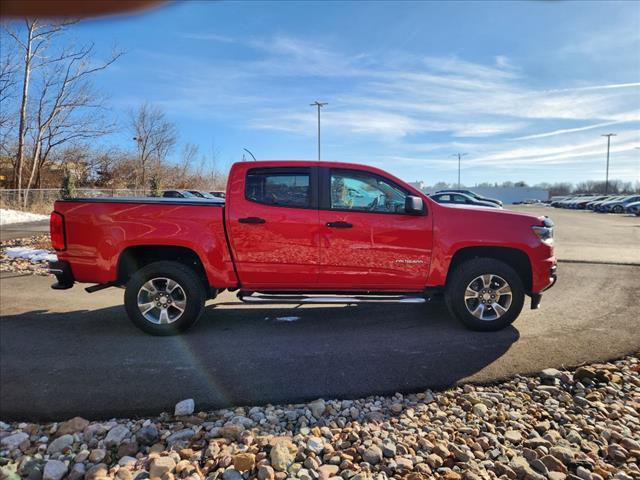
[(606, 183), (138, 141), (319, 105), (459, 155)]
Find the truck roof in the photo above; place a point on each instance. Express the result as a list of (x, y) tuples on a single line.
[(304, 163), (246, 165)]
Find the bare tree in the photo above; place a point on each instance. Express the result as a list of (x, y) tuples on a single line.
[(51, 113), (37, 37), (67, 109), (155, 137), (8, 81), (189, 154)]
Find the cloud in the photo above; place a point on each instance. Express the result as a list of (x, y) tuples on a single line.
[(209, 37), (408, 105), (563, 131)]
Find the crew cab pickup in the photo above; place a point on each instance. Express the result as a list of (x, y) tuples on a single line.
[(303, 232)]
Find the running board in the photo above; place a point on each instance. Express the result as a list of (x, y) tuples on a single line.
[(248, 297)]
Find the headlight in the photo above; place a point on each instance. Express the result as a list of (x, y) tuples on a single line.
[(544, 232)]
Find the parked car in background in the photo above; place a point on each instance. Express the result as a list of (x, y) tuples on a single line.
[(619, 205), (603, 198), (218, 194), (581, 203), (555, 200), (564, 202), (633, 207), (472, 195), (178, 194), (602, 206), (201, 194), (461, 199), (528, 201), (576, 201), (594, 205)]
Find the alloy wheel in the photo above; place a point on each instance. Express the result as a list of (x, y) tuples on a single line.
[(488, 297), (161, 300)]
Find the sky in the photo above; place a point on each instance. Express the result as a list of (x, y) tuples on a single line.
[(525, 89)]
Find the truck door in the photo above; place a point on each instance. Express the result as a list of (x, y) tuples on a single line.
[(367, 240), (272, 222)]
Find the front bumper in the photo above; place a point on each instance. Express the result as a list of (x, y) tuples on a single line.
[(536, 298), (63, 273)]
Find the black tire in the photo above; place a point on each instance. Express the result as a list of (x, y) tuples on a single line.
[(618, 209), (464, 274), (193, 299)]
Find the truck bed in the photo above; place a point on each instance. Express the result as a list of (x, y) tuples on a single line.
[(100, 231)]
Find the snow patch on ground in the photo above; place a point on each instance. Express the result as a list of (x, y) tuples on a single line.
[(31, 254), (287, 319), (8, 216)]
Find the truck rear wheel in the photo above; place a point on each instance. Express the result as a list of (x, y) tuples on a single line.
[(164, 298), (485, 294)]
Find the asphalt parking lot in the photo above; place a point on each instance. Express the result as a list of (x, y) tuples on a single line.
[(582, 235), (68, 353), (20, 230)]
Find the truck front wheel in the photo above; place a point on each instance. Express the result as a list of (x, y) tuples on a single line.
[(485, 294), (164, 298)]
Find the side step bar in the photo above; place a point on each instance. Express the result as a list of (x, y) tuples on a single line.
[(253, 297)]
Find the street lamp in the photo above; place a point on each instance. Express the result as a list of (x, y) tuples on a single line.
[(606, 183), (319, 105), (139, 141), (459, 155)]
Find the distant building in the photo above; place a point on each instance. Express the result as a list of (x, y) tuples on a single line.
[(508, 195), (512, 194)]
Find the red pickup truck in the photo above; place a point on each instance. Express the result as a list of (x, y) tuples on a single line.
[(303, 232)]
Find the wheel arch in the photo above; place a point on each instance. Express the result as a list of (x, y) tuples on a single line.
[(515, 258), (134, 258)]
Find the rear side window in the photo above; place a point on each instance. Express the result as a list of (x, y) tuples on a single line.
[(279, 187)]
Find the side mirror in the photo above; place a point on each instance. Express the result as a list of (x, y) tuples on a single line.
[(413, 205)]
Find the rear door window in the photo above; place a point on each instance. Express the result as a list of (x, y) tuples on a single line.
[(281, 187)]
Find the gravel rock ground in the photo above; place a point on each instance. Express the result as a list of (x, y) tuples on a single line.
[(582, 424), (21, 265)]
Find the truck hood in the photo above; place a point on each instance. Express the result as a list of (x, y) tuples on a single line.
[(490, 215)]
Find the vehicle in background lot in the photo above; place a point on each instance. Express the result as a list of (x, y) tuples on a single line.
[(472, 195), (603, 198), (564, 203), (555, 200), (289, 230), (200, 194), (529, 201), (602, 206), (576, 201), (618, 206), (218, 194), (178, 194), (461, 199), (581, 203), (633, 208)]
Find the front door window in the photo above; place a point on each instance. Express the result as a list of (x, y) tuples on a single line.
[(363, 192)]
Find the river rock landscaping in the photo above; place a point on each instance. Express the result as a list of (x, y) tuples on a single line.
[(582, 424)]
